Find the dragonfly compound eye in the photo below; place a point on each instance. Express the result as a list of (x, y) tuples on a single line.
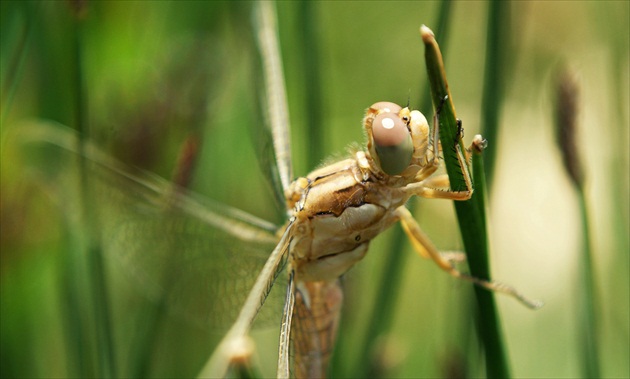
[(393, 142), (385, 106)]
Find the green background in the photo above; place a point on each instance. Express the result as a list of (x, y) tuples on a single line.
[(154, 72)]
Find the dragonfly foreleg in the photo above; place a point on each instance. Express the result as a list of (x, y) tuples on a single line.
[(437, 188), (453, 256), (425, 247)]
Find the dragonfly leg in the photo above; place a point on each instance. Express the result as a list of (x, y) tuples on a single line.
[(438, 188), (462, 159), (426, 171), (438, 182), (453, 256), (425, 247)]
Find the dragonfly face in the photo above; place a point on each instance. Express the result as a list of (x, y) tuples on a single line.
[(398, 139)]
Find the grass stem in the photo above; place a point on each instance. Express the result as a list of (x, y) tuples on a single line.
[(565, 117), (590, 346), (493, 87), (96, 267), (470, 214)]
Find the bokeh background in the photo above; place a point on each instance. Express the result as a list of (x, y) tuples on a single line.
[(156, 73)]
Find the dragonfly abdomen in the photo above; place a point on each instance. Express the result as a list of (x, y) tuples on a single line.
[(314, 329)]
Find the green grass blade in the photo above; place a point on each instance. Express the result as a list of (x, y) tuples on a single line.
[(307, 16), (470, 214), (441, 34), (12, 75), (489, 323), (96, 266), (493, 86), (588, 318), (567, 93)]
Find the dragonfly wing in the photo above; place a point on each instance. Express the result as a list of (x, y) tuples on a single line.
[(198, 257), (230, 348), (285, 330), (275, 98)]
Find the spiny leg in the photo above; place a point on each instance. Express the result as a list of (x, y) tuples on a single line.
[(438, 182), (435, 135), (460, 131), (425, 172), (424, 247), (448, 256), (463, 160), (438, 187), (433, 188)]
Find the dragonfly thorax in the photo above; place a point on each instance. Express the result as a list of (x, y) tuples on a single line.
[(341, 208)]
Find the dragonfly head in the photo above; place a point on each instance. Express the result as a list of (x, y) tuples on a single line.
[(397, 138)]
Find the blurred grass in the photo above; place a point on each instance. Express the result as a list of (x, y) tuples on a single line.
[(95, 267), (155, 70), (566, 114), (495, 75)]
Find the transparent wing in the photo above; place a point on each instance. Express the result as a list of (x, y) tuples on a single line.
[(285, 329), (198, 257), (230, 349), (275, 98)]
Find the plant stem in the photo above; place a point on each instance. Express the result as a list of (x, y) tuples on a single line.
[(96, 267), (307, 15), (470, 213), (496, 52), (589, 317), (567, 108)]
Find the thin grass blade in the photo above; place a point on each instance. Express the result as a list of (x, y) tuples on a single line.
[(497, 45), (105, 350), (470, 214), (566, 116)]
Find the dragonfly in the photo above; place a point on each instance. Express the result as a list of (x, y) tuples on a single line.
[(332, 215)]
